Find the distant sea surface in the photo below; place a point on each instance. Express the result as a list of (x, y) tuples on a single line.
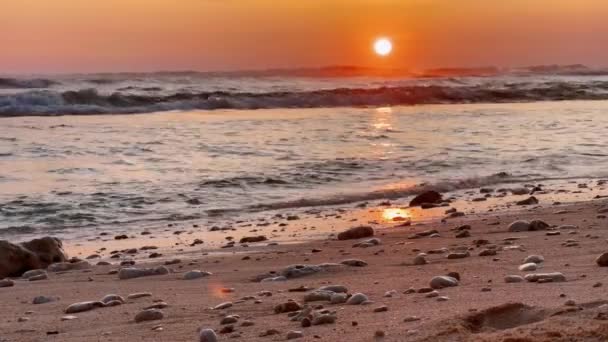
[(207, 146)]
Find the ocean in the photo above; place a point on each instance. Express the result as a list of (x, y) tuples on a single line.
[(209, 146)]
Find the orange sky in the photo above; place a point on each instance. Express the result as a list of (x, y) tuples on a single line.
[(145, 35)]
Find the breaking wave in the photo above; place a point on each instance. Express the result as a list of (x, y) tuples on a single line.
[(15, 83), (90, 101)]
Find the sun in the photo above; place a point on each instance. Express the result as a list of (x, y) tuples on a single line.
[(383, 47)]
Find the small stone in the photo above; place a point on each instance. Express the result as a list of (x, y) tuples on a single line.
[(149, 315), (354, 263), (288, 306), (528, 267), (356, 233), (440, 282), (68, 318), (112, 297), (487, 252), (131, 272), (83, 306), (207, 335), (324, 319), (42, 300), (411, 319), (537, 259), (293, 334), (139, 295), (545, 277), (458, 255), (463, 234), (7, 283), (229, 320), (443, 299), (223, 306), (602, 260), (357, 299), (513, 279), (195, 274), (420, 259), (382, 308)]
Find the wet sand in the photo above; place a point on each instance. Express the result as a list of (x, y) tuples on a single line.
[(553, 311)]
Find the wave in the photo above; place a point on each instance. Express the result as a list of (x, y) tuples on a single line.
[(16, 83), (501, 178), (90, 101)]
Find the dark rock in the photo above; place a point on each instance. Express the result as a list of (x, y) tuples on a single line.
[(426, 197), (15, 259), (356, 233)]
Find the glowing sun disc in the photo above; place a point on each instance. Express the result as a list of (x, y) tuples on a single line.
[(383, 46)]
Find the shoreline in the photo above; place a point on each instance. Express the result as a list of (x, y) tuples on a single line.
[(389, 268)]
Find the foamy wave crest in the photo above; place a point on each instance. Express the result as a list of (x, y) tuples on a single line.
[(90, 101)]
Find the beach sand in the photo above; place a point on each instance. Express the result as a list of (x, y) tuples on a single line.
[(477, 309)]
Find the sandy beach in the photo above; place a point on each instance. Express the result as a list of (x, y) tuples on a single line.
[(397, 303)]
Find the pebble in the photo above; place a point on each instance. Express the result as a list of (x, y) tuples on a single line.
[(545, 277), (293, 334), (356, 233), (207, 335), (513, 279), (229, 320), (458, 255), (537, 259), (68, 318), (334, 288), (354, 263), (324, 319), (139, 295), (7, 283), (132, 272), (83, 306), (528, 267), (411, 319), (149, 315), (420, 259), (602, 260), (43, 300), (440, 282), (195, 274), (382, 308), (111, 298), (223, 306), (357, 299)]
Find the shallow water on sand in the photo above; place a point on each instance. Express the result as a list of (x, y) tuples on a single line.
[(74, 172)]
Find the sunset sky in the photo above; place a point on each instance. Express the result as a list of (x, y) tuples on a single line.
[(147, 35)]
